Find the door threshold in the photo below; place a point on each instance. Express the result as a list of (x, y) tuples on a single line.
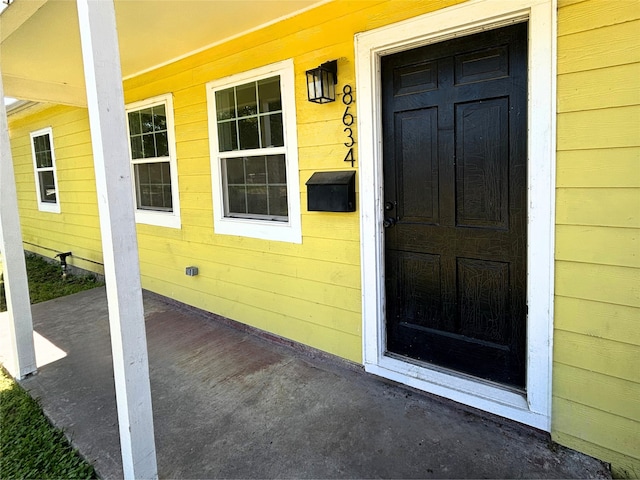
[(488, 396), (455, 373)]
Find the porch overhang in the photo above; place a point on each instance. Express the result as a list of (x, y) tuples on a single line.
[(40, 39), (78, 53)]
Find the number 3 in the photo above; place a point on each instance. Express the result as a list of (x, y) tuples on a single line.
[(350, 137)]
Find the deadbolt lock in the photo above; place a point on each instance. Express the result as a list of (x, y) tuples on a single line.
[(389, 222)]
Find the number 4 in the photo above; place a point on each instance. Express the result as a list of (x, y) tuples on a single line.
[(349, 157)]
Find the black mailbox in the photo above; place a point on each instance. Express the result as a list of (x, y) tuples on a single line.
[(332, 192)]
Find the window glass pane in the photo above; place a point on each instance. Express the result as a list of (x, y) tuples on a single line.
[(43, 159), (159, 118), (144, 200), (257, 200), (271, 130), (37, 144), (136, 147), (41, 143), (153, 185), (144, 143), (142, 172), (42, 149), (143, 196), (166, 172), (261, 181), (162, 144), (256, 170), (146, 118), (246, 97), (134, 123), (47, 187), (269, 94), (235, 171), (155, 173), (155, 195), (237, 200), (225, 104), (278, 201), (166, 196), (248, 132), (227, 139), (277, 169), (148, 146)]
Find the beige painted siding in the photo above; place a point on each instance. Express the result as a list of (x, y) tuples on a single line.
[(596, 374)]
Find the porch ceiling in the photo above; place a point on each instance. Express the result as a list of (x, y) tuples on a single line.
[(40, 52)]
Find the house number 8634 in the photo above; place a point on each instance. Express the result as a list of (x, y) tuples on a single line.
[(347, 120)]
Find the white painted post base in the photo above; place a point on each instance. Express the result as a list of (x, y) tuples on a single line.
[(22, 361), (107, 117)]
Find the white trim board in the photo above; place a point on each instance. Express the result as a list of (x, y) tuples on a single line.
[(534, 407)]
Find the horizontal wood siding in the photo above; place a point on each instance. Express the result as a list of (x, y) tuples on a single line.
[(596, 372), (76, 228), (309, 292)]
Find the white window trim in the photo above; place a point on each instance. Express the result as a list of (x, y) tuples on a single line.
[(150, 217), (290, 231), (45, 206), (533, 407)]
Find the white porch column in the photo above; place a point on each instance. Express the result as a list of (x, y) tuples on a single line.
[(105, 99), (23, 356)]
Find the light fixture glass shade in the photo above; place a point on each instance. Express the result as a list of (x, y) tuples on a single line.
[(321, 83)]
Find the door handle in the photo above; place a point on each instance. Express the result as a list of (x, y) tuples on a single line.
[(389, 222)]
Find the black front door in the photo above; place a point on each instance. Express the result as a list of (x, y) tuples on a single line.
[(455, 200)]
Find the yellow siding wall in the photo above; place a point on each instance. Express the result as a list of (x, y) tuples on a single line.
[(76, 228), (596, 371), (311, 292)]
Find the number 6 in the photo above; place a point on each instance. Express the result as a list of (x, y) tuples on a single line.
[(347, 118)]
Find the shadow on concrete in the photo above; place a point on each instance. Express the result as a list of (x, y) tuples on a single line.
[(229, 404)]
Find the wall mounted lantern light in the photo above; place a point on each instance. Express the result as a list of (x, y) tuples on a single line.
[(321, 82)]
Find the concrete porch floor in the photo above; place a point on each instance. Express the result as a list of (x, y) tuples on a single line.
[(229, 404)]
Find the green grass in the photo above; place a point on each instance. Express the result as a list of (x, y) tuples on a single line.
[(46, 282), (30, 447)]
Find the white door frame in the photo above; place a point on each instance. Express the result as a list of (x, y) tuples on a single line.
[(533, 407)]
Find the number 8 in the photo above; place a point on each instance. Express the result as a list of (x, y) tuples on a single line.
[(346, 90)]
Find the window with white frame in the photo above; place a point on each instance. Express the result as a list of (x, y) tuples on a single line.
[(153, 161), (44, 162), (254, 154)]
